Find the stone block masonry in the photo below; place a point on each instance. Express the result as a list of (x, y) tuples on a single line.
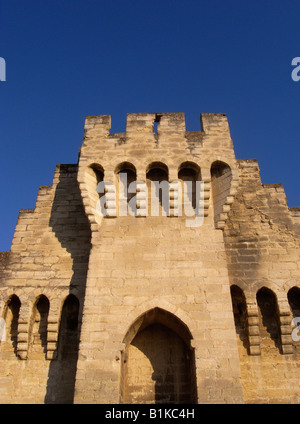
[(145, 309)]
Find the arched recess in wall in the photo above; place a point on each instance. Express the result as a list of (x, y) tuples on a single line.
[(157, 173), (188, 174), (293, 296), (159, 344), (126, 172), (38, 328), (240, 314), (221, 177), (68, 329), (269, 322), (96, 171), (62, 371), (11, 318), (93, 176)]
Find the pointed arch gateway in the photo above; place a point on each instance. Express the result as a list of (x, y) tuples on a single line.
[(158, 362)]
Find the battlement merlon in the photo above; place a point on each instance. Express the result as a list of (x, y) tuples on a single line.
[(211, 123), (214, 122), (97, 125), (166, 122)]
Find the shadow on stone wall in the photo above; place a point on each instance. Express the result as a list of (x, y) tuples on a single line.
[(173, 368), (71, 227), (159, 344)]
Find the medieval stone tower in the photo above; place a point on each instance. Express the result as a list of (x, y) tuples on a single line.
[(135, 308)]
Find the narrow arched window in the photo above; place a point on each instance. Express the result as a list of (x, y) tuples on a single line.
[(94, 176), (39, 324), (68, 337), (221, 177), (157, 178), (11, 317), (294, 302), (98, 172), (189, 173), (64, 370), (268, 319), (239, 308), (126, 188)]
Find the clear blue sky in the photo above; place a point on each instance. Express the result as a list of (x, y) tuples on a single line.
[(67, 59)]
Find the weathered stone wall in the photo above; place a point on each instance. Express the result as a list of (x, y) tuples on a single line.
[(108, 309), (137, 264), (263, 253), (295, 215), (48, 257)]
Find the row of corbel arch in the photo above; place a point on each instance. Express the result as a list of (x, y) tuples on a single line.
[(53, 325), (213, 182), (266, 310), (54, 328)]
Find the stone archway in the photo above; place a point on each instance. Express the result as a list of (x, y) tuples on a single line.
[(158, 363)]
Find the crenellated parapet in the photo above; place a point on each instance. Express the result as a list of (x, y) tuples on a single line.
[(158, 138), (118, 284)]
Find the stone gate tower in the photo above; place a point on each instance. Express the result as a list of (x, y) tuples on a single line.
[(103, 305)]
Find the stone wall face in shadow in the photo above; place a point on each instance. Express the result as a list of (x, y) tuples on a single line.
[(47, 265)]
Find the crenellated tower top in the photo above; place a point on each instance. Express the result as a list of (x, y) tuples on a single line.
[(160, 140)]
